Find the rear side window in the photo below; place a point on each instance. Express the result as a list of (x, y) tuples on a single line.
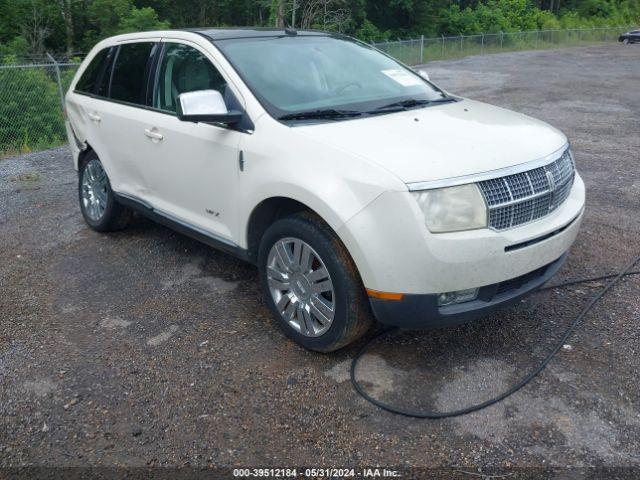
[(91, 75), (128, 79), (102, 89)]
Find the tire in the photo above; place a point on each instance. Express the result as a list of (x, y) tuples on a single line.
[(107, 215), (625, 41), (290, 293)]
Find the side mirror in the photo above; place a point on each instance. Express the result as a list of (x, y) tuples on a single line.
[(205, 106), (424, 74)]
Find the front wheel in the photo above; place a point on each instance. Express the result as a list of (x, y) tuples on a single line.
[(311, 284)]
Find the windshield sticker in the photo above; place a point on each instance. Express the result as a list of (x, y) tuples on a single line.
[(403, 78)]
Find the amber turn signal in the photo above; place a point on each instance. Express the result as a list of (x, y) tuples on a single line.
[(385, 295)]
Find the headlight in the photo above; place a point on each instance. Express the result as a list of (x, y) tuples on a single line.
[(453, 209)]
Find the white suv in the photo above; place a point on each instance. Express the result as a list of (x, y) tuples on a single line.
[(355, 184)]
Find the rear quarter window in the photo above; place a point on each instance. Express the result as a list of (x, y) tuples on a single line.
[(88, 81), (128, 79)]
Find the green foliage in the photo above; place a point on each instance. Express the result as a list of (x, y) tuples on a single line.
[(30, 102), (548, 21), (30, 113), (371, 20), (106, 15), (508, 16), (17, 47), (140, 20), (368, 32), (110, 17)]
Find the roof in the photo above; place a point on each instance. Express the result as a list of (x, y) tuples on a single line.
[(245, 32)]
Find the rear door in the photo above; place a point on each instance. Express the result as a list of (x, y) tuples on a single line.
[(119, 118), (83, 102)]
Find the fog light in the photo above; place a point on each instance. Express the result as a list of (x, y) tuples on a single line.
[(461, 296)]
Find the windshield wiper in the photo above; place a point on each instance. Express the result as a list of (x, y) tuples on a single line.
[(320, 114), (411, 103)]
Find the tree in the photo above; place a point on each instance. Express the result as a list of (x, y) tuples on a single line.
[(36, 29), (106, 15), (320, 13), (140, 20), (16, 49), (56, 25), (338, 20), (277, 13), (370, 33), (66, 11)]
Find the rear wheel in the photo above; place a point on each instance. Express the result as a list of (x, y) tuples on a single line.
[(311, 284), (98, 204)]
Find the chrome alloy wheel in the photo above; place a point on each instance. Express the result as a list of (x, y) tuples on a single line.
[(301, 287), (94, 190)]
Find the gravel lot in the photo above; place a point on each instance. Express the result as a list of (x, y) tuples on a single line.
[(145, 348)]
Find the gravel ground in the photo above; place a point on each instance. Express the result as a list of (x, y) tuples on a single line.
[(145, 348)]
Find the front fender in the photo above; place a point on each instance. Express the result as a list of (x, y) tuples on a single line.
[(278, 162)]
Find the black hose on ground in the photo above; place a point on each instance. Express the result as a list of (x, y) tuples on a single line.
[(474, 408)]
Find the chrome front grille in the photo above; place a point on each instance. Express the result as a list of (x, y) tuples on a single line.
[(523, 197)]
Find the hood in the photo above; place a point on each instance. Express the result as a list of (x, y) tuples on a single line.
[(443, 141)]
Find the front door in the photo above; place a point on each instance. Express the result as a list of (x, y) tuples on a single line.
[(190, 170)]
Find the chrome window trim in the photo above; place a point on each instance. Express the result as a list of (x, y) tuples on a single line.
[(492, 174)]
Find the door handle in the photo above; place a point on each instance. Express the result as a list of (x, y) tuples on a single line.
[(153, 134), (94, 118)]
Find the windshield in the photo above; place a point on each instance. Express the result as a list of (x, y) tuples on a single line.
[(295, 74)]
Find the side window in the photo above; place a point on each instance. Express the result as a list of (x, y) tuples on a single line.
[(184, 69), (102, 89), (128, 77), (91, 75)]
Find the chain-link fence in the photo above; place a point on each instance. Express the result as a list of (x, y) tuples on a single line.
[(32, 89), (420, 50), (31, 93)]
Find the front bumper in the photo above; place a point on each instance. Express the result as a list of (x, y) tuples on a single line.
[(395, 252), (422, 311)]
